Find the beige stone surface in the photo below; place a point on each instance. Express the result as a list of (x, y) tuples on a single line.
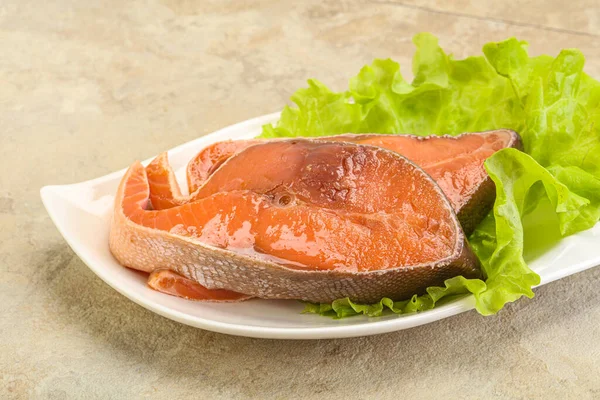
[(88, 87), (574, 17)]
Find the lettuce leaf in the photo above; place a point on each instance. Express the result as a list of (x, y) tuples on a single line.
[(447, 96), (521, 183), (550, 101)]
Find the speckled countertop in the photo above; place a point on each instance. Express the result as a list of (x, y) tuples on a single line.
[(87, 87)]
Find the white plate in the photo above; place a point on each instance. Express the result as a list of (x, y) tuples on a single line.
[(82, 213)]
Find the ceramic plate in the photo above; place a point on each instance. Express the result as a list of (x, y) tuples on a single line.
[(82, 214)]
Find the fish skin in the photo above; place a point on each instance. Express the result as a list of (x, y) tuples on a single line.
[(471, 207), (149, 249)]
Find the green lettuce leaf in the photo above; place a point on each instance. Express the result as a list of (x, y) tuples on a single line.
[(550, 101), (499, 240)]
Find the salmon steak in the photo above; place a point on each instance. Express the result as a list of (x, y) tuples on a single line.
[(454, 162), (313, 220)]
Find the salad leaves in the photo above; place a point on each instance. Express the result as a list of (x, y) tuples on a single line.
[(550, 101)]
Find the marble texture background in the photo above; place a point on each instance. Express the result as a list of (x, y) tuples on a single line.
[(87, 87)]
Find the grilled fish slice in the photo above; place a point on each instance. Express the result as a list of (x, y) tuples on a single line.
[(300, 219)]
